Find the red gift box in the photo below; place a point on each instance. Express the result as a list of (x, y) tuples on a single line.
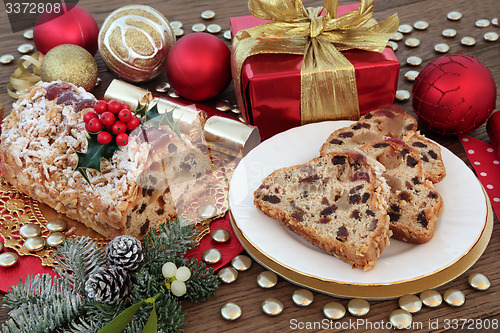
[(270, 83)]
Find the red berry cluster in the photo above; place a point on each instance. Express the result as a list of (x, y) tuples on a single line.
[(110, 118)]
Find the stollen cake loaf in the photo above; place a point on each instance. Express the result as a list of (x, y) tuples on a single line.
[(39, 141), (389, 121), (337, 202), (414, 204)]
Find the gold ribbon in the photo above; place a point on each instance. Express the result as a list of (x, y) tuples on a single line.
[(328, 83), (22, 78)]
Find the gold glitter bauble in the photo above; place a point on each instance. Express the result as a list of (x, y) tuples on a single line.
[(70, 63), (134, 42)]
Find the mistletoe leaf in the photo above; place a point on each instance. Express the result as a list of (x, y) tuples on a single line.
[(95, 153), (121, 321), (152, 323)]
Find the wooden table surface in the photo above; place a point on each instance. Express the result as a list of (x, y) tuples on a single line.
[(206, 316)]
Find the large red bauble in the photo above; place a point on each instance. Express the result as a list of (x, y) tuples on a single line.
[(198, 66), (454, 94), (73, 25)]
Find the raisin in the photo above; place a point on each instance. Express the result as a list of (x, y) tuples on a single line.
[(393, 216), (324, 201), (142, 209), (264, 186), (356, 189), (419, 144), (346, 135), (160, 211), (185, 166), (144, 192), (172, 148), (432, 154), (415, 180), (405, 151), (432, 195), (304, 194), (422, 219), (298, 216), (404, 196), (366, 125), (395, 208), (309, 179), (336, 142), (361, 175), (145, 227), (408, 185), (324, 220), (161, 202), (287, 176), (411, 162), (84, 104), (271, 198), (365, 198), (150, 192), (410, 127), (381, 145), (277, 190), (342, 234), (354, 199), (370, 212), (373, 225), (368, 115), (356, 214), (357, 126), (328, 210), (424, 158), (129, 221), (338, 160)]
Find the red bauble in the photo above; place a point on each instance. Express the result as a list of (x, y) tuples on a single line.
[(73, 25), (454, 94), (199, 67)]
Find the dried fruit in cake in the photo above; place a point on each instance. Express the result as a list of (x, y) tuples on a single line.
[(414, 203), (337, 202)]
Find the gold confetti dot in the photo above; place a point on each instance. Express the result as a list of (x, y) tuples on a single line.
[(227, 34), (8, 259), (178, 32), (25, 48), (468, 41), (267, 279), (394, 45), (211, 256), (302, 297), (230, 311), (454, 297), (228, 274), (220, 235), (241, 262), (402, 95), (272, 306), (405, 28), (431, 298), (421, 25), (358, 307), (334, 310), (441, 48), (401, 319), (28, 34), (30, 230), (208, 14), (482, 23), (410, 303), (213, 28), (479, 281), (199, 27), (414, 61), (35, 244), (6, 59), (412, 42), (449, 33), (454, 16), (162, 87), (176, 24), (491, 36), (397, 36)]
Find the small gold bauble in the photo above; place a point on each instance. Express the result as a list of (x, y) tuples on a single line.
[(55, 239), (431, 298), (56, 225), (454, 297), (272, 306), (302, 297), (30, 230), (479, 281), (410, 303), (70, 63), (358, 307), (223, 105), (400, 319), (267, 279), (8, 259), (211, 256), (134, 42), (228, 274), (230, 311), (206, 211), (334, 310), (241, 262), (220, 235), (35, 244)]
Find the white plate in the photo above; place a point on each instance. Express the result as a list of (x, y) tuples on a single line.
[(459, 227)]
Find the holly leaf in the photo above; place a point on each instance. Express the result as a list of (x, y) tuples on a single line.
[(166, 118), (141, 110), (95, 153)]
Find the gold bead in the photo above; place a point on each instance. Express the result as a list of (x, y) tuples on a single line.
[(30, 230), (449, 33), (431, 298), (211, 256), (414, 61), (394, 45), (220, 235), (402, 95), (214, 28), (454, 297), (468, 41), (267, 279), (302, 297), (272, 306), (479, 281), (35, 244), (412, 42), (28, 34), (410, 303), (454, 16), (241, 262), (421, 25), (162, 87), (358, 307), (482, 23), (178, 32), (228, 274), (55, 239), (176, 24), (401, 319), (441, 48), (56, 225), (334, 310), (223, 105), (230, 311), (227, 34), (495, 22), (208, 14), (25, 48), (199, 27), (397, 36), (8, 259), (411, 75), (172, 93), (405, 28), (491, 36), (235, 109), (6, 59), (206, 211)]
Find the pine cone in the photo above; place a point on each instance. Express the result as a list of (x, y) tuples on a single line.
[(125, 251), (108, 284)]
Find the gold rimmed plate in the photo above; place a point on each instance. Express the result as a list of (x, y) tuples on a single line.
[(463, 231)]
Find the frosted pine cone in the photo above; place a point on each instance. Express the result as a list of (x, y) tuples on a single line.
[(125, 251), (108, 284)]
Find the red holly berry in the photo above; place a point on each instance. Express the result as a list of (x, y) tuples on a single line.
[(95, 125), (87, 127), (133, 123), (89, 115), (122, 139), (104, 137), (107, 118), (101, 106), (114, 106), (119, 127), (125, 106), (125, 115)]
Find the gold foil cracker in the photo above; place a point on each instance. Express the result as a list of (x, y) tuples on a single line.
[(328, 83)]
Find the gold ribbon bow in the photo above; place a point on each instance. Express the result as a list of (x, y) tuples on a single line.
[(328, 83), (22, 78)]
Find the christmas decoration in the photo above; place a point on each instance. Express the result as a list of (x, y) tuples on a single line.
[(108, 284), (198, 66), (125, 251), (70, 63), (493, 130), (134, 42), (73, 25), (454, 94), (175, 278), (72, 300)]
